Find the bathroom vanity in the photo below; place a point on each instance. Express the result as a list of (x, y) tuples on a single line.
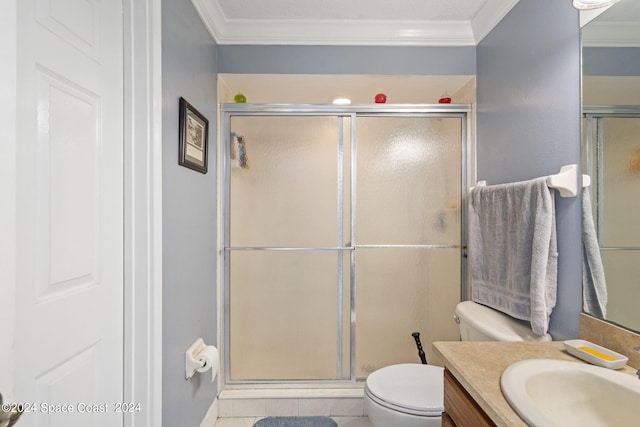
[(460, 406), (472, 394)]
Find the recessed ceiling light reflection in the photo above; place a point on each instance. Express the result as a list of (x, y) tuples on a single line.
[(341, 100)]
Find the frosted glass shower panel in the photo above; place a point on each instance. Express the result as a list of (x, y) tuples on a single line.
[(284, 308), (621, 268), (400, 291), (288, 194), (408, 180), (620, 183)]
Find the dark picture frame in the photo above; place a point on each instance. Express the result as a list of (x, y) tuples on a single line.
[(194, 138)]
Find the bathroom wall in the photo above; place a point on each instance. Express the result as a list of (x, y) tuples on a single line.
[(528, 123), (347, 60), (611, 61), (189, 68)]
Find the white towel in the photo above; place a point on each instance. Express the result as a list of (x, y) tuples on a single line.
[(513, 250), (594, 286)]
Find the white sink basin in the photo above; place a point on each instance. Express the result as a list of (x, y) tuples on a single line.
[(546, 392)]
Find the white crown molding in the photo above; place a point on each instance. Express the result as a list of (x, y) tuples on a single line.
[(382, 33), (488, 17), (611, 34), (355, 32), (212, 17)]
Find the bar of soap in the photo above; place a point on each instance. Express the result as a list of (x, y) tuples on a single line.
[(596, 353)]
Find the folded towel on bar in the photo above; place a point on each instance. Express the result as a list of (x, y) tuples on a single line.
[(513, 250), (594, 286)]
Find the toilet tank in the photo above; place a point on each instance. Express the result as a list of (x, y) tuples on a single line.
[(480, 323)]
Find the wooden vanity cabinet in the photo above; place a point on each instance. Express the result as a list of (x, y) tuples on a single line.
[(460, 409), (447, 421)]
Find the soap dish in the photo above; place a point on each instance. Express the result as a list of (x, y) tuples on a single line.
[(595, 354)]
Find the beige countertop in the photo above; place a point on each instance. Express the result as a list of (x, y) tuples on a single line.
[(479, 365)]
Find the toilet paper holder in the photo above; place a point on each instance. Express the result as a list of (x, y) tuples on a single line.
[(192, 362)]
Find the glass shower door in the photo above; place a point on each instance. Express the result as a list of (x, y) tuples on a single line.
[(343, 237), (287, 262), (407, 236)]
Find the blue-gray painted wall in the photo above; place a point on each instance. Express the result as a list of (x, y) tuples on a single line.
[(347, 60), (528, 123), (189, 69), (611, 61)]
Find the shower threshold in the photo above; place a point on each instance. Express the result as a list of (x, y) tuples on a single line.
[(292, 401)]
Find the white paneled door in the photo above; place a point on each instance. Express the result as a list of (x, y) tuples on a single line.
[(69, 213)]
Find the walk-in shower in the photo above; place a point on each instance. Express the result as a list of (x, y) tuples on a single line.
[(343, 234)]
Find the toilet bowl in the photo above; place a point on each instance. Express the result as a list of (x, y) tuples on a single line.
[(411, 394), (405, 395)]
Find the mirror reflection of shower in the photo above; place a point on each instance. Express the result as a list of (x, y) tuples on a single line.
[(611, 157)]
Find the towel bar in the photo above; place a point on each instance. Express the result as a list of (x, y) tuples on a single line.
[(565, 181)]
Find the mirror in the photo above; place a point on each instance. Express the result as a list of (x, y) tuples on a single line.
[(611, 157)]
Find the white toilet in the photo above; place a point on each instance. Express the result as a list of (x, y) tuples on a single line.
[(411, 394)]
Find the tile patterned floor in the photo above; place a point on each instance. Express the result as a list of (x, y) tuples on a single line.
[(249, 421)]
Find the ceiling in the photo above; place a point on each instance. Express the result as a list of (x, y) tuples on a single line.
[(352, 22)]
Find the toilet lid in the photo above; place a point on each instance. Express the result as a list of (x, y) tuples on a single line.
[(408, 387)]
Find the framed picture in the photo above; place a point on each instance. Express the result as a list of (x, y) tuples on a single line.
[(194, 132)]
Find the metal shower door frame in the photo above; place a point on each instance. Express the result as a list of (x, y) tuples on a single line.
[(228, 111)]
